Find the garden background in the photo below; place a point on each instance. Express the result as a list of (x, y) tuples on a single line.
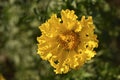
[(19, 22)]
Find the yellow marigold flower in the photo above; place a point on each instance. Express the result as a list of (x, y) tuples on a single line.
[(66, 42), (1, 77)]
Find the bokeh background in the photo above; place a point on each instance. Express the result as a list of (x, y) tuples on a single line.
[(19, 21)]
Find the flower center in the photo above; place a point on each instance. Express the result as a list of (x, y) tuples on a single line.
[(68, 40)]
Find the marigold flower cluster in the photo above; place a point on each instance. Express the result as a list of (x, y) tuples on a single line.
[(67, 43)]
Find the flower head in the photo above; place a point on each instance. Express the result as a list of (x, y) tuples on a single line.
[(66, 42), (1, 77)]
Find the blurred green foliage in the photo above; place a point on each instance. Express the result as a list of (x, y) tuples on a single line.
[(19, 21)]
